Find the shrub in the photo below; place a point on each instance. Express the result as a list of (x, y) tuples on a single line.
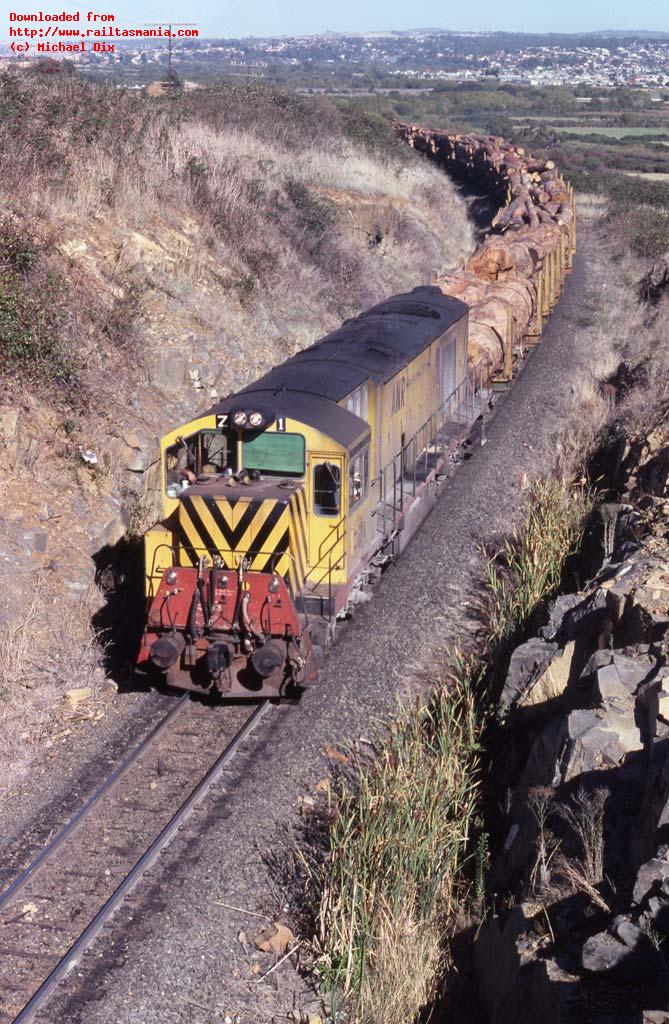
[(31, 323), (17, 252)]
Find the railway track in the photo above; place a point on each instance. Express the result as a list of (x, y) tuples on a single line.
[(53, 911)]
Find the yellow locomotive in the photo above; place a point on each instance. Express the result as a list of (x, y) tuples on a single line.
[(283, 502)]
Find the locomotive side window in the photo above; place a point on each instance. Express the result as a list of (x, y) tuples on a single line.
[(358, 478), (327, 489), (357, 401)]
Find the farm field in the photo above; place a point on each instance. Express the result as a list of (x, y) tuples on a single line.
[(648, 175), (612, 132)]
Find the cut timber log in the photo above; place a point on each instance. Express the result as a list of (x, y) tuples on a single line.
[(514, 278)]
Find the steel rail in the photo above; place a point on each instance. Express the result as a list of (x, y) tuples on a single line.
[(75, 823), (90, 933)]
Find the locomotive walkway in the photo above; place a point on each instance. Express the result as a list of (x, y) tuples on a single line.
[(179, 952)]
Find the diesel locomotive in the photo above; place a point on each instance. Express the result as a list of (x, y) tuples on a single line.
[(283, 502)]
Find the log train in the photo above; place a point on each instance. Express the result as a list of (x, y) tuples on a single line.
[(283, 502)]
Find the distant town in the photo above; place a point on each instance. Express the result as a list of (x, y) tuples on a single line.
[(408, 59)]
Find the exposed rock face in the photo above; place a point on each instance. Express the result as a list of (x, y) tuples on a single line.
[(654, 284), (528, 662), (585, 712)]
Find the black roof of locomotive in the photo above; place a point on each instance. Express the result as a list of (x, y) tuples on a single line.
[(372, 346)]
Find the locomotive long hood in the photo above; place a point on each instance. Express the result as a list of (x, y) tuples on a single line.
[(265, 523)]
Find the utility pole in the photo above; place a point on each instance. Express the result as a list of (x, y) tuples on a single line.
[(179, 24)]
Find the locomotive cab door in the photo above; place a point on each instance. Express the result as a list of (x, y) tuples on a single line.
[(327, 531), (361, 530)]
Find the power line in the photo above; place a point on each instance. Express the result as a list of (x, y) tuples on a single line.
[(159, 24)]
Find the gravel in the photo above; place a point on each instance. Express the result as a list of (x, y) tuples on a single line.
[(177, 952), (81, 754)]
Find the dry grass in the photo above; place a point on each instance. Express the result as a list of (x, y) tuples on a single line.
[(391, 992), (625, 330), (584, 816), (49, 648), (615, 330), (215, 214)]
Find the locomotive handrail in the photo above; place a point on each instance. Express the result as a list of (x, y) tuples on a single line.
[(329, 568), (335, 529), (451, 406), (276, 556)]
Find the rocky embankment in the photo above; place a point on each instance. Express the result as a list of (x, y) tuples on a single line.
[(579, 881)]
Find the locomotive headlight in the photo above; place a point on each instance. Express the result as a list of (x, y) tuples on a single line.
[(239, 418), (274, 585), (171, 576), (255, 418)]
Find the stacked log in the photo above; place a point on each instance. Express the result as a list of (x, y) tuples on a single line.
[(514, 278)]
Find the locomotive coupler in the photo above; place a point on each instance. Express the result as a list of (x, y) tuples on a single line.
[(219, 660)]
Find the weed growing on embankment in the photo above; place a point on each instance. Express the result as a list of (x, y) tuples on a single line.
[(397, 848), (528, 568), (402, 857)]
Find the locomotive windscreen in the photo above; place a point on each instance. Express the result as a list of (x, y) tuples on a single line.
[(275, 454)]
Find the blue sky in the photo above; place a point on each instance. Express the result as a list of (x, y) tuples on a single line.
[(278, 17)]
